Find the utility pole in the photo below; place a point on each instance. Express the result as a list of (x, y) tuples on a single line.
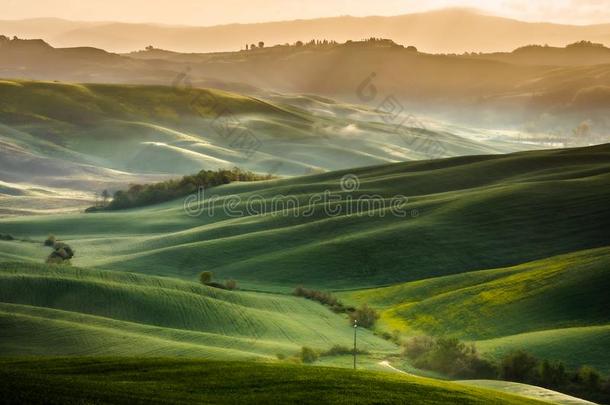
[(355, 329)]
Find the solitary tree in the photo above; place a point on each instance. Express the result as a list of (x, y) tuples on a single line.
[(205, 277), (308, 355), (252, 46), (365, 315), (61, 254), (50, 241), (518, 366), (261, 44), (105, 196)]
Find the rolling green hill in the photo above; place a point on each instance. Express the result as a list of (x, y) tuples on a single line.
[(555, 308), (528, 391), (71, 311), (79, 139), (155, 128), (95, 380), (536, 219), (463, 214)]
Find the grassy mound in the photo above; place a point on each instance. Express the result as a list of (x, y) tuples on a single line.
[(572, 346), (92, 380), (463, 214), (563, 291), (529, 391), (555, 308), (164, 129), (61, 311)]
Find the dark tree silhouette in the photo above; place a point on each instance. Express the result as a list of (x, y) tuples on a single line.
[(105, 197)]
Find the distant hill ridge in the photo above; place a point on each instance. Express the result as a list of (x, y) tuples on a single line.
[(447, 30)]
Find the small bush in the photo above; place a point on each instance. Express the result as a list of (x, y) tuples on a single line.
[(231, 284), (281, 356), (214, 284), (205, 277), (323, 298), (518, 366), (308, 355), (339, 350), (552, 374), (50, 241), (365, 315), (61, 254), (448, 356), (589, 377), (417, 346), (394, 337), (6, 237)]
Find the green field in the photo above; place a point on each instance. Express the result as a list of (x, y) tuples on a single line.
[(459, 222), (508, 251), (171, 130), (472, 213), (93, 380), (50, 310), (555, 308), (80, 139), (528, 391)]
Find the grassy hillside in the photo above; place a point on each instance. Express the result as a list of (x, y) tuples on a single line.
[(528, 391), (94, 380), (84, 138), (555, 308), (463, 214), (71, 311), (574, 346), (543, 93), (182, 130)]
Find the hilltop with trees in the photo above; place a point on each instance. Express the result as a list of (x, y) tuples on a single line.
[(146, 194)]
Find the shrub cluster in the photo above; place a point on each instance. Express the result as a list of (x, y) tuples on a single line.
[(61, 254), (365, 315), (50, 241), (338, 350), (145, 194), (448, 356), (306, 355), (6, 236), (586, 382), (457, 359), (323, 298), (205, 278), (394, 337), (309, 355)]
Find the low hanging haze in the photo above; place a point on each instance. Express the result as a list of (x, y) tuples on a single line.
[(205, 13)]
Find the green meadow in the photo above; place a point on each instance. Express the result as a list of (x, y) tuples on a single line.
[(455, 211), (555, 308), (467, 260), (52, 310), (179, 130), (111, 380), (507, 251)]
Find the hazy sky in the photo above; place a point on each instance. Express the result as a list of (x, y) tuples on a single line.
[(212, 12)]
